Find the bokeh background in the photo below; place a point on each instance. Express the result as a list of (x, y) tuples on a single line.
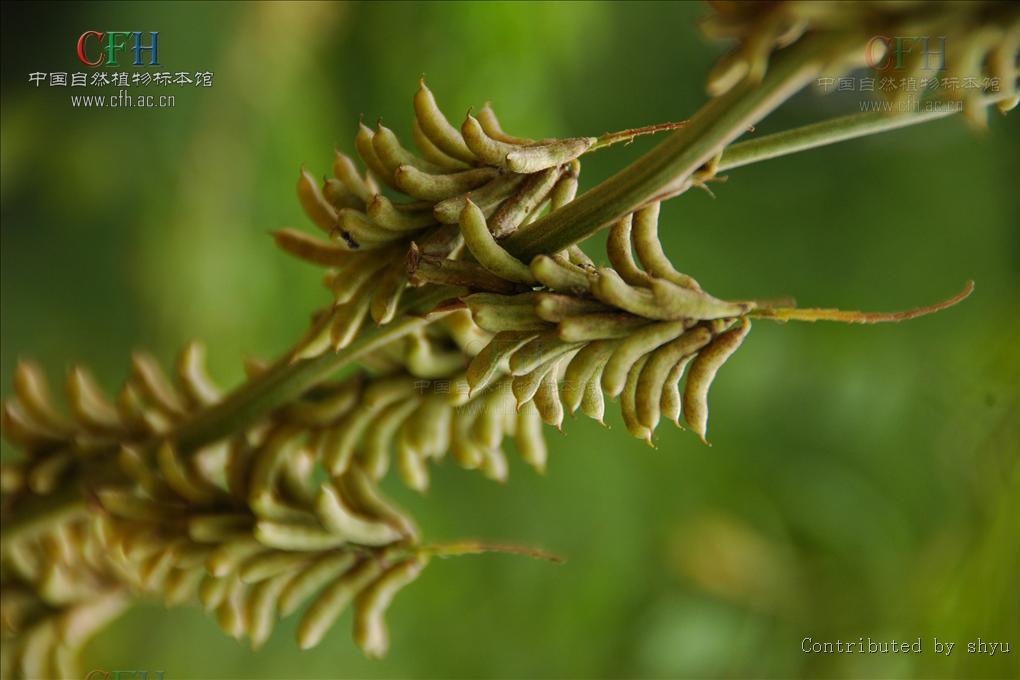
[(863, 480)]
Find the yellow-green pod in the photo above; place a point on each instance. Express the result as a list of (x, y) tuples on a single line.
[(332, 602), (435, 188), (182, 479), (490, 254), (703, 372), (428, 429), (682, 302), (526, 385), (338, 518), (270, 458), (356, 232), (411, 463), (12, 477), (628, 403), (593, 403), (375, 449), (336, 448), (580, 369), (543, 348), (47, 472), (228, 557), (535, 158), (313, 577), (532, 195), (403, 218), (392, 154), (370, 631), (212, 590), (324, 406), (610, 288), (492, 359), (530, 442), (363, 142), (490, 124), (311, 249), (639, 343), (589, 327), (361, 187), (230, 614), (467, 335), (319, 210), (490, 151), (437, 128), (347, 321), (35, 657), (260, 608), (467, 454), (351, 281), (649, 248), (363, 493), (423, 359), (316, 340), (488, 428), (34, 394), (180, 586), (502, 313), (270, 564), (671, 403), (137, 468), (88, 403), (487, 197), (566, 188), (494, 465), (547, 399), (618, 247), (193, 376), (559, 275), (431, 152), (152, 383), (123, 503), (219, 527), (339, 196), (652, 381), (391, 286), (296, 537)]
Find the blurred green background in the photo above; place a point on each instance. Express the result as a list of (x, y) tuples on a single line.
[(863, 480)]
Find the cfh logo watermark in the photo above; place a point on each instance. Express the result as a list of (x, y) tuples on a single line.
[(883, 52), (102, 48)]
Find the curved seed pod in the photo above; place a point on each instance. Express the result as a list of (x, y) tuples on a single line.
[(375, 449), (357, 232), (180, 586), (634, 347), (670, 404), (530, 159), (489, 362), (23, 432), (317, 339), (337, 448), (526, 385), (702, 373), (547, 399), (269, 564), (579, 258), (260, 609), (311, 578), (411, 464), (611, 289), (694, 304), (490, 124), (152, 383), (212, 590), (406, 217), (628, 408), (230, 613), (33, 392), (392, 154), (88, 404), (490, 151), (498, 313), (593, 403), (557, 274), (342, 520), (649, 248), (182, 479), (580, 369), (339, 196), (428, 429), (350, 281), (46, 474), (489, 427), (269, 460), (424, 360), (435, 126), (588, 327), (218, 528), (435, 188), (515, 210), (431, 152), (487, 197), (490, 254), (297, 537), (311, 249), (347, 322), (370, 631), (361, 187), (544, 347), (123, 503), (330, 604), (194, 377), (618, 247), (652, 381), (135, 416), (364, 143), (389, 290), (468, 336), (366, 497), (320, 410), (228, 557), (467, 454), (566, 188), (319, 210), (530, 442)]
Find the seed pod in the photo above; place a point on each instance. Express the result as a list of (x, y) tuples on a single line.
[(184, 482), (25, 433), (260, 609), (530, 443), (532, 195), (347, 321), (543, 348), (46, 474), (390, 289), (465, 451), (329, 605), (634, 347), (490, 124), (490, 361), (435, 126), (435, 188), (547, 398), (581, 368), (350, 281), (311, 249), (593, 402), (688, 303), (618, 247), (559, 275), (311, 578), (319, 210), (365, 496), (411, 463), (123, 503), (392, 154), (490, 254), (652, 381), (611, 289), (298, 537), (375, 449), (490, 151), (323, 407), (180, 586), (566, 188), (588, 327), (670, 404), (628, 409), (271, 564), (498, 313), (649, 248), (702, 373), (487, 197), (149, 379), (405, 217), (217, 528), (339, 196), (356, 232), (339, 518), (364, 143), (212, 590), (489, 427), (431, 152), (270, 459), (230, 613), (361, 187), (89, 405), (227, 558), (370, 631), (530, 159), (34, 394), (526, 385), (194, 378), (424, 360)]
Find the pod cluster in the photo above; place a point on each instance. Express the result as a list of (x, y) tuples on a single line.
[(981, 41), (373, 217)]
